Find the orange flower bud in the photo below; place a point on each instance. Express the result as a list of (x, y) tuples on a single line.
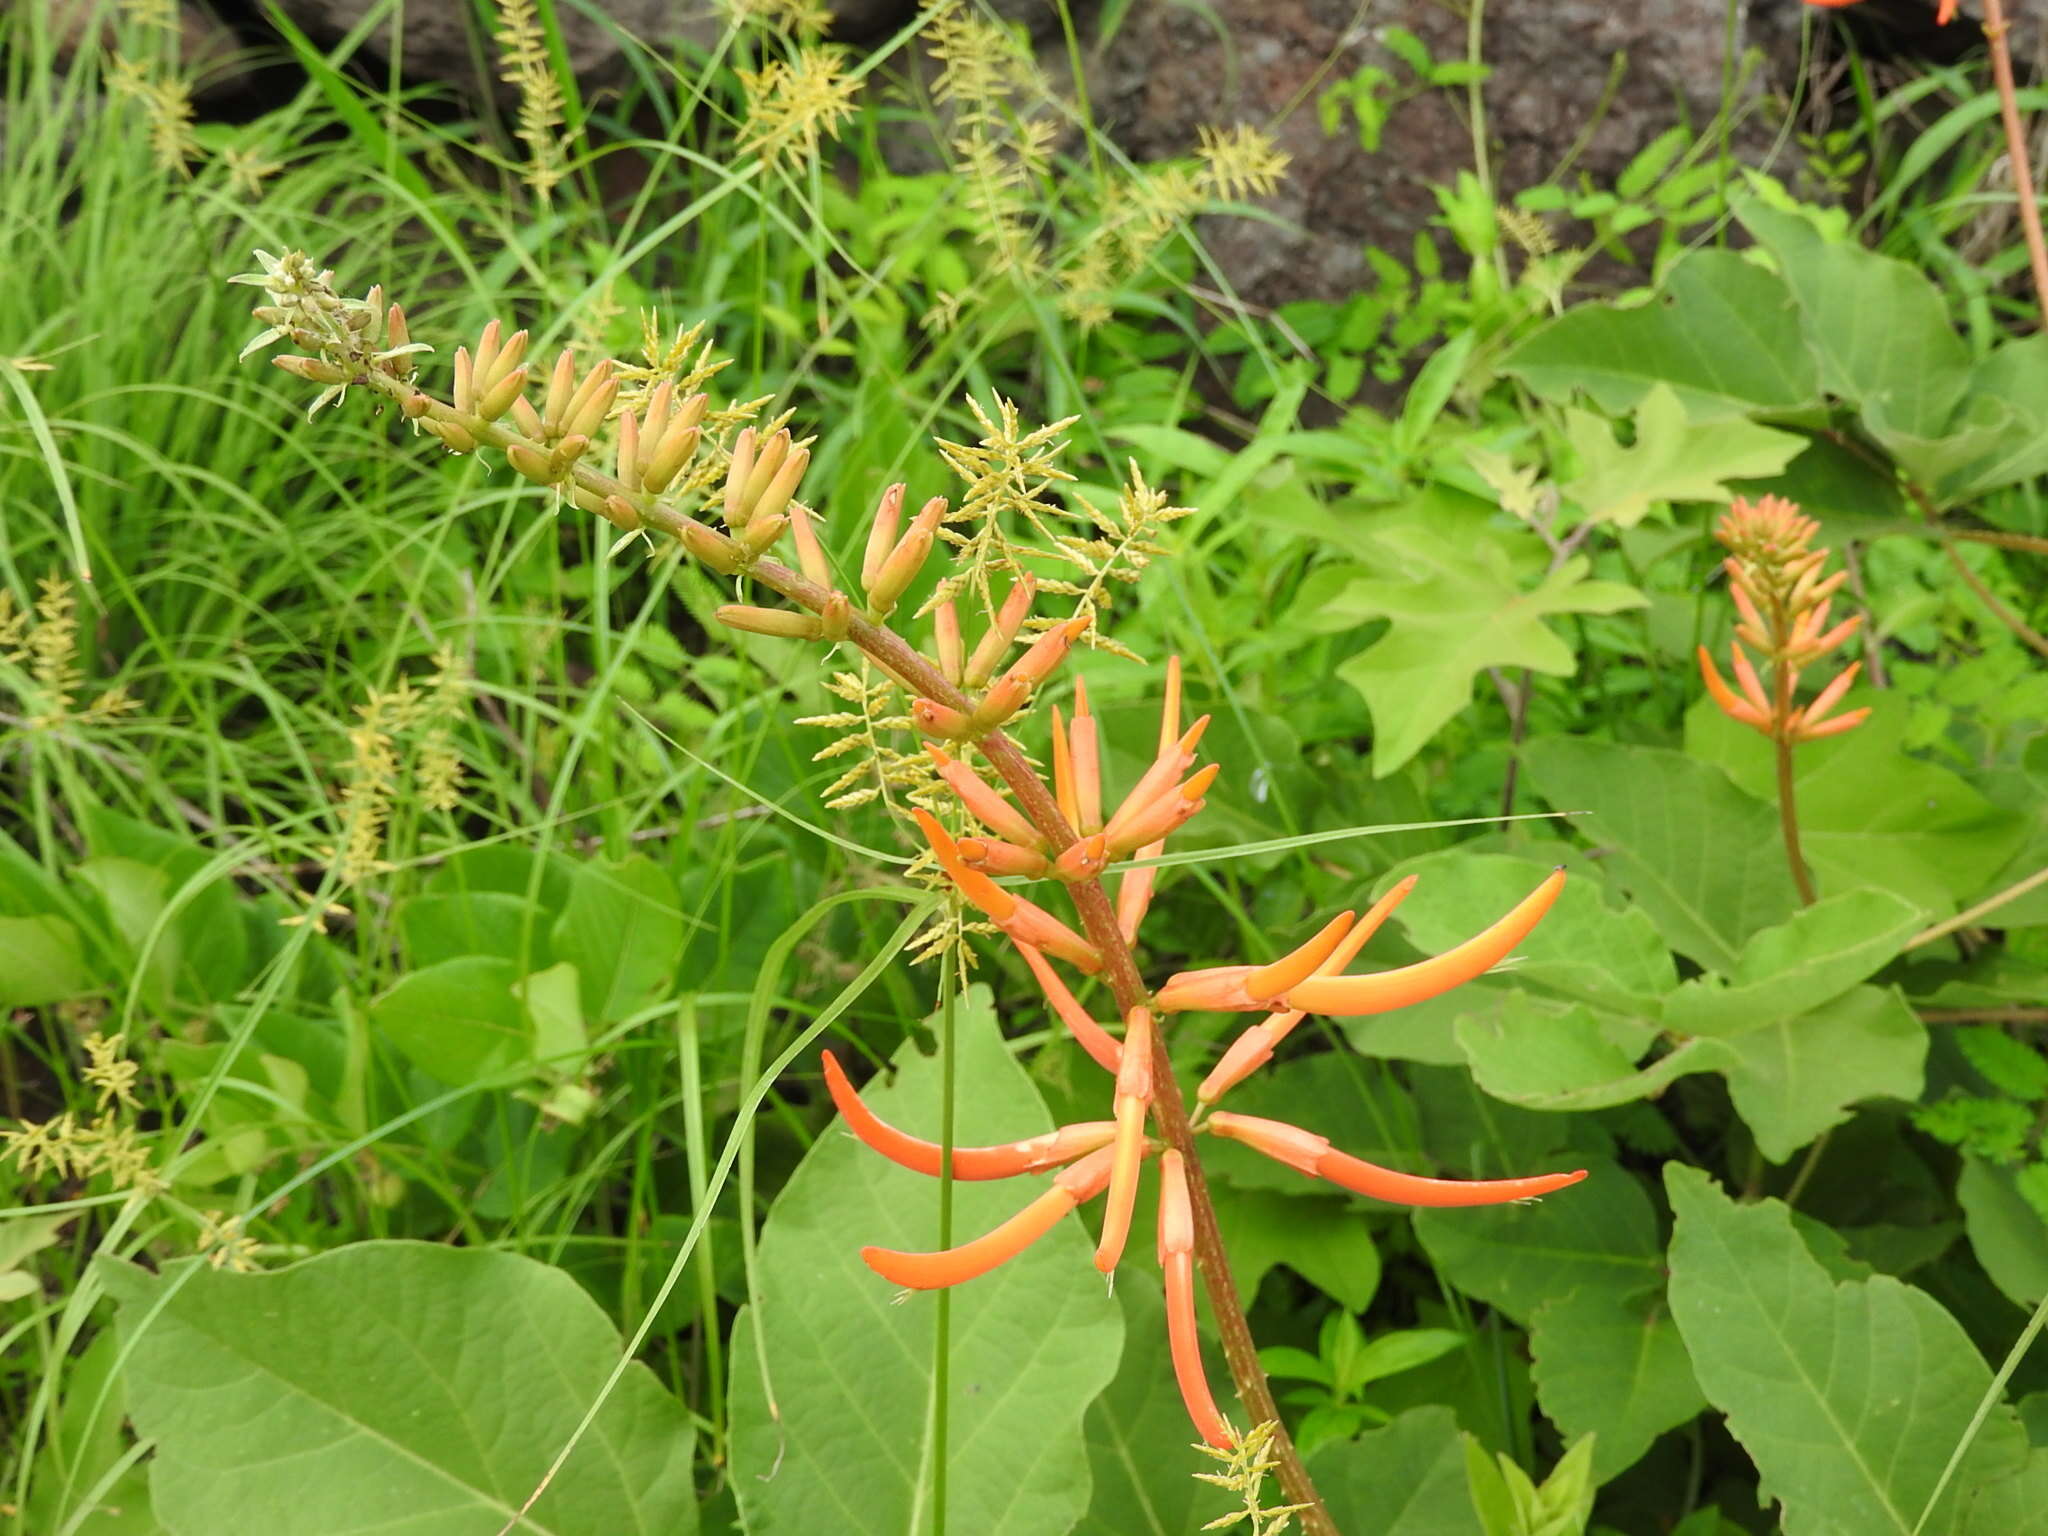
[(906, 560), (940, 720), (712, 548), (620, 512), (1083, 859), (993, 856), (946, 641), (1166, 812), (627, 461), (1004, 698), (988, 655), (983, 803), (527, 419), (1173, 760), (1086, 753), (882, 534)]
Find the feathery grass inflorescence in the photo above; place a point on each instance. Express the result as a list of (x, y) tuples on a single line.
[(43, 644), (524, 63)]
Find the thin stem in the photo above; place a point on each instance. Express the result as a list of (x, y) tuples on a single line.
[(1985, 1015), (942, 1316), (1098, 917), (2016, 150), (1969, 915), (1788, 810), (1999, 611)]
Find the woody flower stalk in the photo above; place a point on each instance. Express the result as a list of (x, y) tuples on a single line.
[(1783, 601), (730, 499)]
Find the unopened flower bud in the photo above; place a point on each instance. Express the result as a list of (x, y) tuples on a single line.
[(836, 617), (760, 533), (501, 395), (527, 419), (712, 548), (882, 534), (786, 623), (988, 655), (509, 357), (1004, 698), (464, 397), (561, 389), (740, 466), (935, 719), (311, 369), (810, 555), (414, 406), (622, 513)]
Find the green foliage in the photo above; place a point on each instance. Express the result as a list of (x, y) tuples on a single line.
[(391, 1382), (402, 901)]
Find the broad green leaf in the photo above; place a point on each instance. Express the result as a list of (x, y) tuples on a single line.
[(1869, 812), (1817, 953), (1327, 1242), (1598, 1235), (850, 1369), (2012, 1506), (447, 925), (392, 1386), (1139, 1435), (1698, 855), (1723, 334), (1583, 948), (1849, 1396), (1456, 607), (1566, 1058), (2015, 377), (1671, 459), (2006, 1233), (134, 895), (44, 962), (1406, 1479), (623, 931), (1797, 1077), (1879, 328), (1612, 1368), (206, 933), (457, 1021)]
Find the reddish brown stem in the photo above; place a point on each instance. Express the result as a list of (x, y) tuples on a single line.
[(1788, 810), (2016, 150)]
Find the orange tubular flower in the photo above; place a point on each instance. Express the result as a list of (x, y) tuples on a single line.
[(1095, 1040), (1020, 919), (1351, 997), (1254, 1048), (1314, 1156), (1133, 1103), (1032, 1155), (1072, 1186), (1176, 1262)]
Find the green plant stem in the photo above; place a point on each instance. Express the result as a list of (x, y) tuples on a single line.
[(1995, 30), (2012, 621), (1788, 809), (1969, 915), (1098, 918)]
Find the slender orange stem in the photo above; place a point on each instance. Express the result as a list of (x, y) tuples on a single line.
[(1995, 30)]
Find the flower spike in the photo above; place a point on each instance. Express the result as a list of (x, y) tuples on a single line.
[(1133, 1103), (1032, 1155), (1313, 1155), (1176, 1262), (1074, 1184), (1134, 891), (1355, 996)]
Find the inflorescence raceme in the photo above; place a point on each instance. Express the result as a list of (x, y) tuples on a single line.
[(674, 465), (1102, 1157)]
